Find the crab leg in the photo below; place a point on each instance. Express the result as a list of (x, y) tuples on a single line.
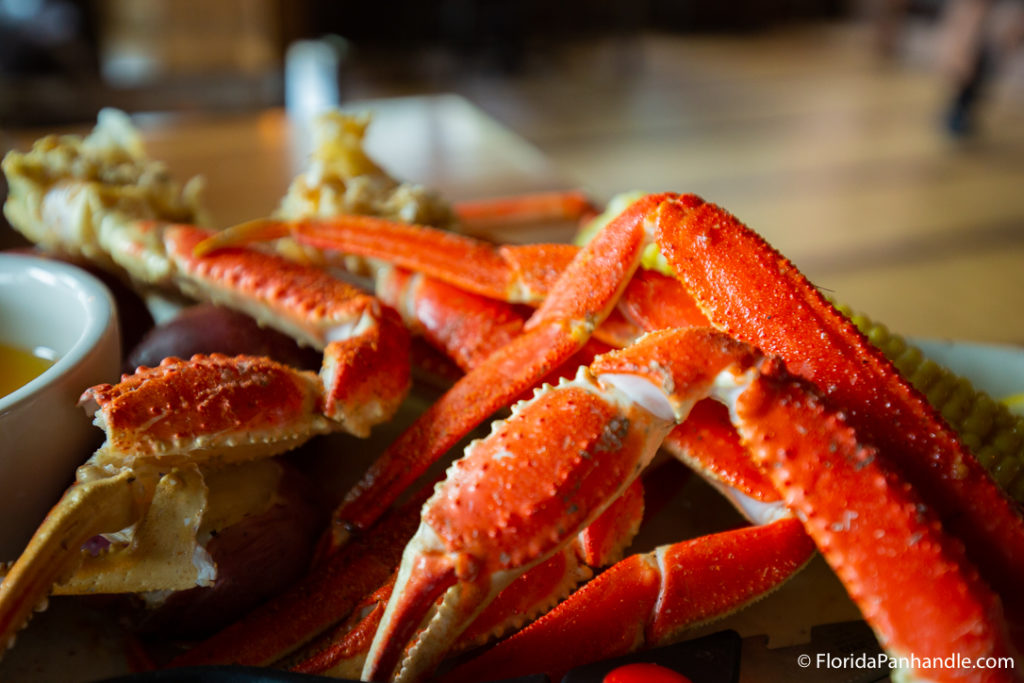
[(557, 330), (707, 246), (468, 328), (600, 544), (108, 504), (215, 410), (648, 600), (481, 214), (517, 274), (601, 428), (511, 273)]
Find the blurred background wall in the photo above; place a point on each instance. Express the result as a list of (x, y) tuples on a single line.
[(61, 60)]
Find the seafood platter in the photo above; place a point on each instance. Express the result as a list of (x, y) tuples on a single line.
[(551, 454)]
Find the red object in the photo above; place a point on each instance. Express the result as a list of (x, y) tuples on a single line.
[(644, 672)]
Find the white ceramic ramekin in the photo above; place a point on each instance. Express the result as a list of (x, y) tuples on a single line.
[(44, 435)]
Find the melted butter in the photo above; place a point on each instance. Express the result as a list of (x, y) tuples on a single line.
[(18, 368)]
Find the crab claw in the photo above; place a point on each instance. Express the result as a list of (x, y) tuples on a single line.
[(521, 493), (533, 484), (486, 525), (161, 423)]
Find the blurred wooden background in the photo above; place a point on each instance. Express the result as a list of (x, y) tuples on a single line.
[(787, 114)]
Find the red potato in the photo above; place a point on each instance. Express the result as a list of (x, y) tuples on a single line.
[(206, 328), (257, 556)]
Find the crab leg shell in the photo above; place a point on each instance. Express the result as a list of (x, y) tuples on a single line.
[(741, 282), (648, 600), (880, 537), (556, 331), (365, 371), (482, 214), (708, 443), (534, 592), (163, 553), (485, 523), (104, 505), (539, 478), (212, 408), (911, 581), (519, 274), (466, 327)]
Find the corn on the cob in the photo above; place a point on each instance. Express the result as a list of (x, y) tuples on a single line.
[(987, 427)]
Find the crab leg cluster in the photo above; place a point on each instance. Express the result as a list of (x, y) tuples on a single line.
[(722, 263), (112, 205), (782, 405)]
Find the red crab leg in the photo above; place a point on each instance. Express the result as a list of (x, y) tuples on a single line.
[(582, 445), (481, 214), (465, 327), (328, 594), (365, 372), (709, 444), (515, 274), (648, 600), (600, 544), (518, 274), (556, 331), (466, 550), (468, 328), (709, 248)]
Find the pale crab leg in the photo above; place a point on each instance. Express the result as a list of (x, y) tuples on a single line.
[(215, 410), (481, 214), (649, 600), (559, 456), (108, 504), (101, 198)]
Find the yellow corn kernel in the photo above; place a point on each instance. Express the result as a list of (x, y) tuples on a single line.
[(986, 427)]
